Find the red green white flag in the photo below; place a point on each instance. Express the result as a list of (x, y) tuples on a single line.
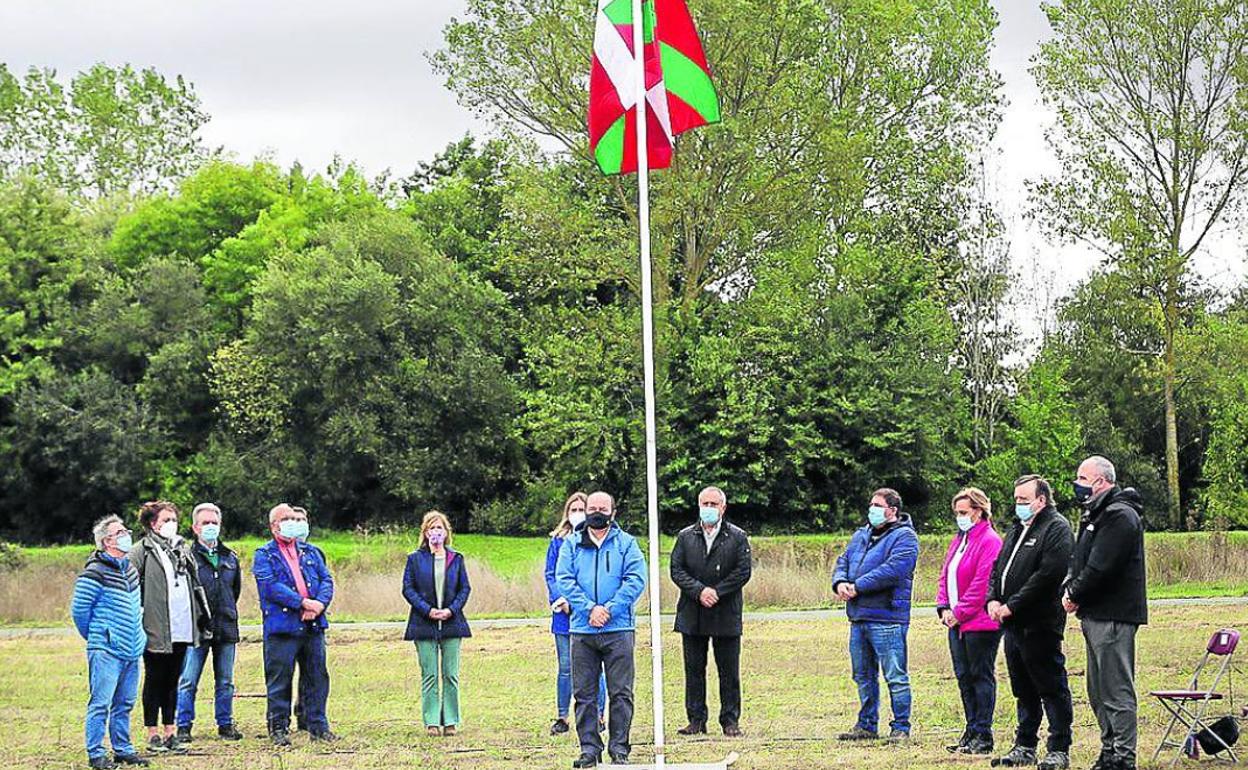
[(679, 92)]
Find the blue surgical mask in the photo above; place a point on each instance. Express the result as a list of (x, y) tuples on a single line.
[(709, 515), (125, 543), (875, 515), (965, 523), (1024, 512), (210, 532), (293, 530)]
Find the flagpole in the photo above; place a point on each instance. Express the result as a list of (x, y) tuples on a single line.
[(647, 348)]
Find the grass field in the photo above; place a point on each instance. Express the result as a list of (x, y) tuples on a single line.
[(791, 572), (797, 695)]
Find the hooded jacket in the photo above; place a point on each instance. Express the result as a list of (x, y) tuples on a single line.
[(612, 575), (154, 589), (107, 609), (1107, 571), (880, 564)]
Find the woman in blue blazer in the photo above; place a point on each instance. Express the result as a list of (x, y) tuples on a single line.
[(435, 583)]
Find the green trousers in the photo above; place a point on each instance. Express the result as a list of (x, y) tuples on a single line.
[(439, 709)]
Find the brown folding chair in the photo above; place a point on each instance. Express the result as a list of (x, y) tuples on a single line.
[(1189, 707)]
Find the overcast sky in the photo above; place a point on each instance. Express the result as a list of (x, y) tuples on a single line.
[(310, 79)]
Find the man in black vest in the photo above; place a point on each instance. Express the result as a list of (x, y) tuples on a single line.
[(1025, 598), (711, 563), (1106, 589)]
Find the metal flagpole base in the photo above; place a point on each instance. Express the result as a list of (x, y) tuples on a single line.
[(721, 765)]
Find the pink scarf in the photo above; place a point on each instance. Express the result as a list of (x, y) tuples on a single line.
[(290, 552)]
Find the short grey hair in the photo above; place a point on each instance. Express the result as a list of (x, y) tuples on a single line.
[(278, 510), (723, 499), (1104, 467), (204, 507), (100, 530), (608, 495)]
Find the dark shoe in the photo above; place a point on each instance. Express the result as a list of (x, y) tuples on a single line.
[(858, 734), (979, 745), (619, 759), (559, 727), (229, 733), (279, 738), (323, 737), (585, 760), (449, 731), (1019, 756), (898, 736), (174, 746), (733, 731), (184, 735), (100, 763), (1055, 760), (130, 759), (960, 746), (693, 728), (156, 745)]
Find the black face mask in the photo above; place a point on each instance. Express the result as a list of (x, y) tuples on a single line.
[(597, 520)]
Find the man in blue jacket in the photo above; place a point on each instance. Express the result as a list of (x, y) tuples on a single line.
[(875, 578), (602, 573), (295, 588), (108, 613)]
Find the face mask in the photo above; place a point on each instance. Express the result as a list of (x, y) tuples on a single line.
[(168, 530), (1083, 493), (124, 543), (293, 530), (965, 523), (436, 537), (709, 515), (875, 515), (1024, 512), (210, 532), (598, 520), (576, 519)]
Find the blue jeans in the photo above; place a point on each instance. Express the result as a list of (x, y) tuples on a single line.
[(280, 653), (222, 675), (876, 646), (114, 687), (563, 687)]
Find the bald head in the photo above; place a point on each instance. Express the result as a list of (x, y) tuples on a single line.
[(597, 506)]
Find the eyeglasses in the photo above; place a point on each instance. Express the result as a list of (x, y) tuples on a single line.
[(119, 532)]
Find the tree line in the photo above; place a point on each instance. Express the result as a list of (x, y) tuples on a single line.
[(836, 306)]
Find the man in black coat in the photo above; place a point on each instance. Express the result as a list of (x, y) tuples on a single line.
[(1025, 598), (1106, 589), (711, 563)]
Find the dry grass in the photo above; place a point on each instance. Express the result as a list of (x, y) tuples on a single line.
[(788, 573)]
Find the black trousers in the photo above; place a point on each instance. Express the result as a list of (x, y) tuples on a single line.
[(160, 684), (727, 663), (1038, 680)]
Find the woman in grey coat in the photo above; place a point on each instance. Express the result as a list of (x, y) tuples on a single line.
[(172, 617)]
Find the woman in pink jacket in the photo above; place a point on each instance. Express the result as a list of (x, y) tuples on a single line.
[(973, 636)]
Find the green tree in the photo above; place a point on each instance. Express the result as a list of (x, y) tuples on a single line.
[(1151, 99), (113, 130), (391, 394)]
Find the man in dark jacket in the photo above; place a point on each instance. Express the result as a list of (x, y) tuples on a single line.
[(875, 579), (295, 589), (1025, 598), (711, 563), (1106, 589), (221, 579)]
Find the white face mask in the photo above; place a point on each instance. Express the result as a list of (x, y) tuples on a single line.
[(576, 519), (168, 530)]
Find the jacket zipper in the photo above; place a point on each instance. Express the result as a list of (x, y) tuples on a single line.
[(597, 553)]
